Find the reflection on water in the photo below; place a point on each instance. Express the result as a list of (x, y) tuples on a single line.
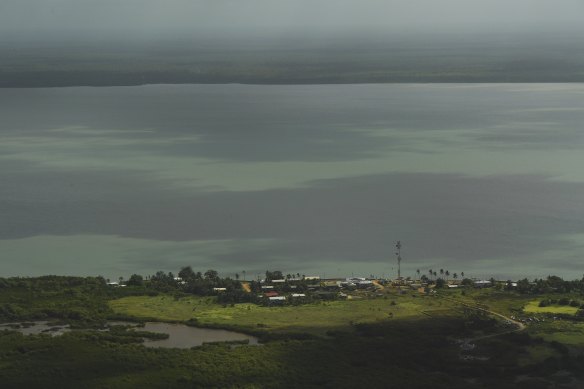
[(180, 335), (37, 327)]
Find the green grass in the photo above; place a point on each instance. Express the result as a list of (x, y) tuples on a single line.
[(312, 318), (506, 303), (533, 307), (561, 331)]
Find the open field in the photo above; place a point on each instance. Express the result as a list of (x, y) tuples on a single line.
[(561, 331), (506, 303), (315, 318), (533, 307)]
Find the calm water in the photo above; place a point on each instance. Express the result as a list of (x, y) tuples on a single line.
[(180, 335), (485, 179), (36, 328)]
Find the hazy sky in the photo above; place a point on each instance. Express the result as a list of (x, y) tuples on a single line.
[(154, 16)]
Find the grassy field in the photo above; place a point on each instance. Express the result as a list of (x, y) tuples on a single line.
[(533, 307), (506, 303), (314, 318), (561, 331)]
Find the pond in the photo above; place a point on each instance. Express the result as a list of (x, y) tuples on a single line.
[(180, 335)]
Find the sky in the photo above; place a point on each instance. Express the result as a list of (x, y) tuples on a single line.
[(152, 17)]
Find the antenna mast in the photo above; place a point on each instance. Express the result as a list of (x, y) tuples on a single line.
[(398, 247)]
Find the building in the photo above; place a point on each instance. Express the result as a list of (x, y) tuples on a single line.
[(276, 300), (482, 284)]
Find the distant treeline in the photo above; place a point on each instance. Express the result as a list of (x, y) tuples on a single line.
[(551, 284)]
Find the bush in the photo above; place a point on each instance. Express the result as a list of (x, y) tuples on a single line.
[(564, 301)]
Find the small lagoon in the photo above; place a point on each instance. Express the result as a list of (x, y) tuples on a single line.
[(180, 335)]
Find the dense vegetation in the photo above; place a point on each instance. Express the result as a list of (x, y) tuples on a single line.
[(73, 299)]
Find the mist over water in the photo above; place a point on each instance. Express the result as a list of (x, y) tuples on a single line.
[(484, 179)]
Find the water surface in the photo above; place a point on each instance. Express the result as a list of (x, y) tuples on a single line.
[(481, 178), (180, 335)]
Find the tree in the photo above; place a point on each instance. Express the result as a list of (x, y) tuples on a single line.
[(447, 273), (441, 272), (211, 275), (243, 271), (135, 280), (418, 271), (440, 283), (237, 276), (274, 275), (186, 273), (455, 276), (462, 274)]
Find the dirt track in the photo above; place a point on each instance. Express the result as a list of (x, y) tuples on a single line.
[(520, 326)]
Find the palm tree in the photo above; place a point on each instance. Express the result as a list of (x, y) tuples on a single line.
[(441, 272), (447, 274), (430, 271), (455, 276), (462, 274), (418, 271), (243, 271), (434, 275), (237, 276)]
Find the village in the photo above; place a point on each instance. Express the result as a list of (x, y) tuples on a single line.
[(283, 291)]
